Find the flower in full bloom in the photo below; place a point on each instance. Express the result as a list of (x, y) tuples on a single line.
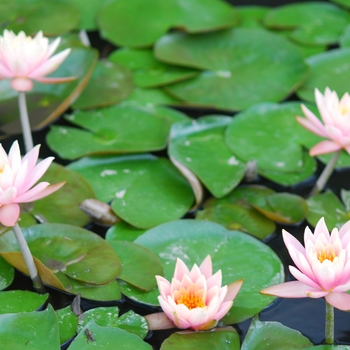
[(17, 178), (195, 299), (336, 122), (24, 59), (322, 266)]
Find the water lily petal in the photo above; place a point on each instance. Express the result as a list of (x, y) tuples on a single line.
[(292, 289), (339, 300), (9, 214)]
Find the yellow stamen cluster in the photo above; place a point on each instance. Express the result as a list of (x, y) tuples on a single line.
[(191, 300), (326, 255)]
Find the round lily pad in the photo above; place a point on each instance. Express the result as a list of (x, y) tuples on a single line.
[(141, 23), (118, 129), (238, 255), (109, 84), (241, 67), (145, 190), (200, 146), (147, 70), (314, 23)]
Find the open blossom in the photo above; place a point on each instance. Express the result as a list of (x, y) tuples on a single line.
[(322, 266), (336, 122), (195, 299), (24, 59), (17, 178)]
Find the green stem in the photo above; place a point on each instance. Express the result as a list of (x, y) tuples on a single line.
[(326, 173), (23, 112), (329, 324), (28, 258)]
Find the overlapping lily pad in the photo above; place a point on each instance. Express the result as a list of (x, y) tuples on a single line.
[(200, 146), (141, 23), (238, 255), (122, 231), (7, 274), (47, 101), (35, 15), (117, 129), (241, 67), (147, 71), (273, 130), (251, 16), (67, 323), (314, 23), (145, 190)]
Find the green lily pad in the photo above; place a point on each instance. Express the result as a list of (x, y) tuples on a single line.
[(327, 69), (314, 23), (241, 67), (275, 132), (110, 84), (46, 102), (103, 316), (30, 330), (223, 339), (7, 273), (149, 298), (122, 231), (63, 206), (145, 190), (152, 97), (133, 323), (238, 217), (329, 206), (14, 301), (93, 336), (147, 70), (345, 3), (328, 347), (238, 255), (67, 323), (66, 250), (273, 335), (140, 264), (252, 16), (35, 15), (116, 129), (200, 146), (141, 24)]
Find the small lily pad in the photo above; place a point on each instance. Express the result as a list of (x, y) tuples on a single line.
[(7, 273), (122, 231), (152, 97), (67, 323), (110, 84), (147, 70), (241, 67)]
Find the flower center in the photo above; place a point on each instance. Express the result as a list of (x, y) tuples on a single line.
[(328, 254), (190, 299)]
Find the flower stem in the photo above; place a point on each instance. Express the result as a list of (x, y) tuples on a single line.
[(329, 324), (28, 258), (23, 112), (326, 173)]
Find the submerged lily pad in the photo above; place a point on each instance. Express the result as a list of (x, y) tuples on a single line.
[(241, 67), (145, 190), (118, 129), (147, 70), (313, 23), (238, 255), (140, 26), (110, 84), (200, 146)]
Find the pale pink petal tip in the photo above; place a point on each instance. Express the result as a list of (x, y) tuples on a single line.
[(22, 84)]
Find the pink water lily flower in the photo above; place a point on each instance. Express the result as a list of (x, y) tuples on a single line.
[(195, 299), (322, 267), (336, 122), (24, 59), (17, 178)]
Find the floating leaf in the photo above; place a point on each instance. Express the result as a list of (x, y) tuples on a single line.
[(116, 129), (30, 330), (14, 301), (273, 335), (7, 274), (147, 70), (314, 23), (35, 15), (133, 323), (110, 84), (201, 147), (67, 323), (152, 97), (223, 339), (145, 190), (238, 255), (140, 265), (122, 231), (252, 16), (138, 26), (242, 67)]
